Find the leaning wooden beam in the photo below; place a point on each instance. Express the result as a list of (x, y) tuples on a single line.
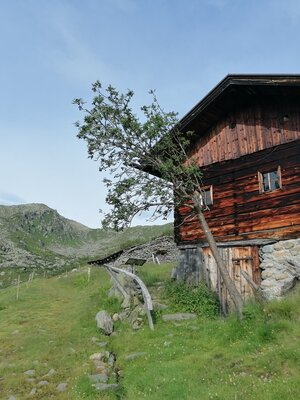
[(117, 283), (146, 295), (256, 289)]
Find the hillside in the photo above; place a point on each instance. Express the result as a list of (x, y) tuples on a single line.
[(34, 236), (49, 334)]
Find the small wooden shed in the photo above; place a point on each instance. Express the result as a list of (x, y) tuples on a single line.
[(247, 142)]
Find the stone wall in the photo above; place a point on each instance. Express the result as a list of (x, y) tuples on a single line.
[(280, 264)]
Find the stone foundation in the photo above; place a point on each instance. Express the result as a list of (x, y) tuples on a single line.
[(280, 264)]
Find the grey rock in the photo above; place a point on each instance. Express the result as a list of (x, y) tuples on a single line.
[(61, 387), (133, 356), (104, 322), (43, 383), (12, 398), (97, 356), (288, 244), (33, 392), (111, 359), (105, 386), (98, 378), (268, 249), (51, 372), (178, 316), (30, 372)]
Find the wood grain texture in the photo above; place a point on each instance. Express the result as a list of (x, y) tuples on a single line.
[(248, 131), (240, 210)]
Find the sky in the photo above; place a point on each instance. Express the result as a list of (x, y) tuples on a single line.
[(51, 51)]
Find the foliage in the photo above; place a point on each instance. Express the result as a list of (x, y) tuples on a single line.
[(126, 146), (129, 149), (198, 300)]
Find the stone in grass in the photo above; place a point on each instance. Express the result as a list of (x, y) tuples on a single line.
[(43, 383), (50, 372), (178, 316), (12, 398), (105, 386), (98, 378), (104, 322), (30, 372), (62, 387)]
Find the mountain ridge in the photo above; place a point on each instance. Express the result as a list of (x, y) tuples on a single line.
[(35, 236)]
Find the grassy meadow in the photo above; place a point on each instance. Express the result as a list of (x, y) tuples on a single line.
[(50, 330)]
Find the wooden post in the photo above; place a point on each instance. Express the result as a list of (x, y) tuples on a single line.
[(89, 273), (117, 282), (18, 287)]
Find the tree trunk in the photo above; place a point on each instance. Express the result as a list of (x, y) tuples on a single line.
[(230, 286)]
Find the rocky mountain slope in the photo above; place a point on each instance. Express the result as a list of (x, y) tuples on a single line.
[(36, 236)]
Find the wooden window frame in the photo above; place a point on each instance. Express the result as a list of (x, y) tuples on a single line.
[(261, 180), (210, 190)]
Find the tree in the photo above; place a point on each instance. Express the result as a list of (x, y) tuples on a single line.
[(148, 164)]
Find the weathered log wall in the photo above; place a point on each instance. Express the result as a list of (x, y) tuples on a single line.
[(248, 131), (239, 210)]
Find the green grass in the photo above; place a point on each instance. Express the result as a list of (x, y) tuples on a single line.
[(52, 323)]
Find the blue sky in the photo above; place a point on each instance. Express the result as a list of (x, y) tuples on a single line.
[(52, 50)]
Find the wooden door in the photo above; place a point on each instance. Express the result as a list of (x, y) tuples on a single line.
[(236, 259)]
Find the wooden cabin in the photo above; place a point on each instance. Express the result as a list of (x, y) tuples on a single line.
[(247, 142)]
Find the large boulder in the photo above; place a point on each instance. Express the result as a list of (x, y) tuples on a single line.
[(104, 322)]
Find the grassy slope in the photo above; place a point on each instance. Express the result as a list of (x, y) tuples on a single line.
[(199, 359)]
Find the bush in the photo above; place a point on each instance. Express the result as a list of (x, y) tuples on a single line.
[(199, 300)]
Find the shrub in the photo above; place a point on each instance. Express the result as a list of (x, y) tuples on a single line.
[(199, 300)]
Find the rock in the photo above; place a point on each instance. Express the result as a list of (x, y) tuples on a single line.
[(31, 380), (281, 267), (43, 383), (277, 246), (61, 387), (12, 398), (97, 356), (33, 392), (133, 356), (281, 276), (288, 244), (136, 325), (115, 317), (30, 372), (104, 322), (267, 249), (101, 367), (111, 359), (99, 378), (178, 316), (50, 373), (105, 386)]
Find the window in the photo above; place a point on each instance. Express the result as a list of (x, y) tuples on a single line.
[(269, 181), (206, 196)]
